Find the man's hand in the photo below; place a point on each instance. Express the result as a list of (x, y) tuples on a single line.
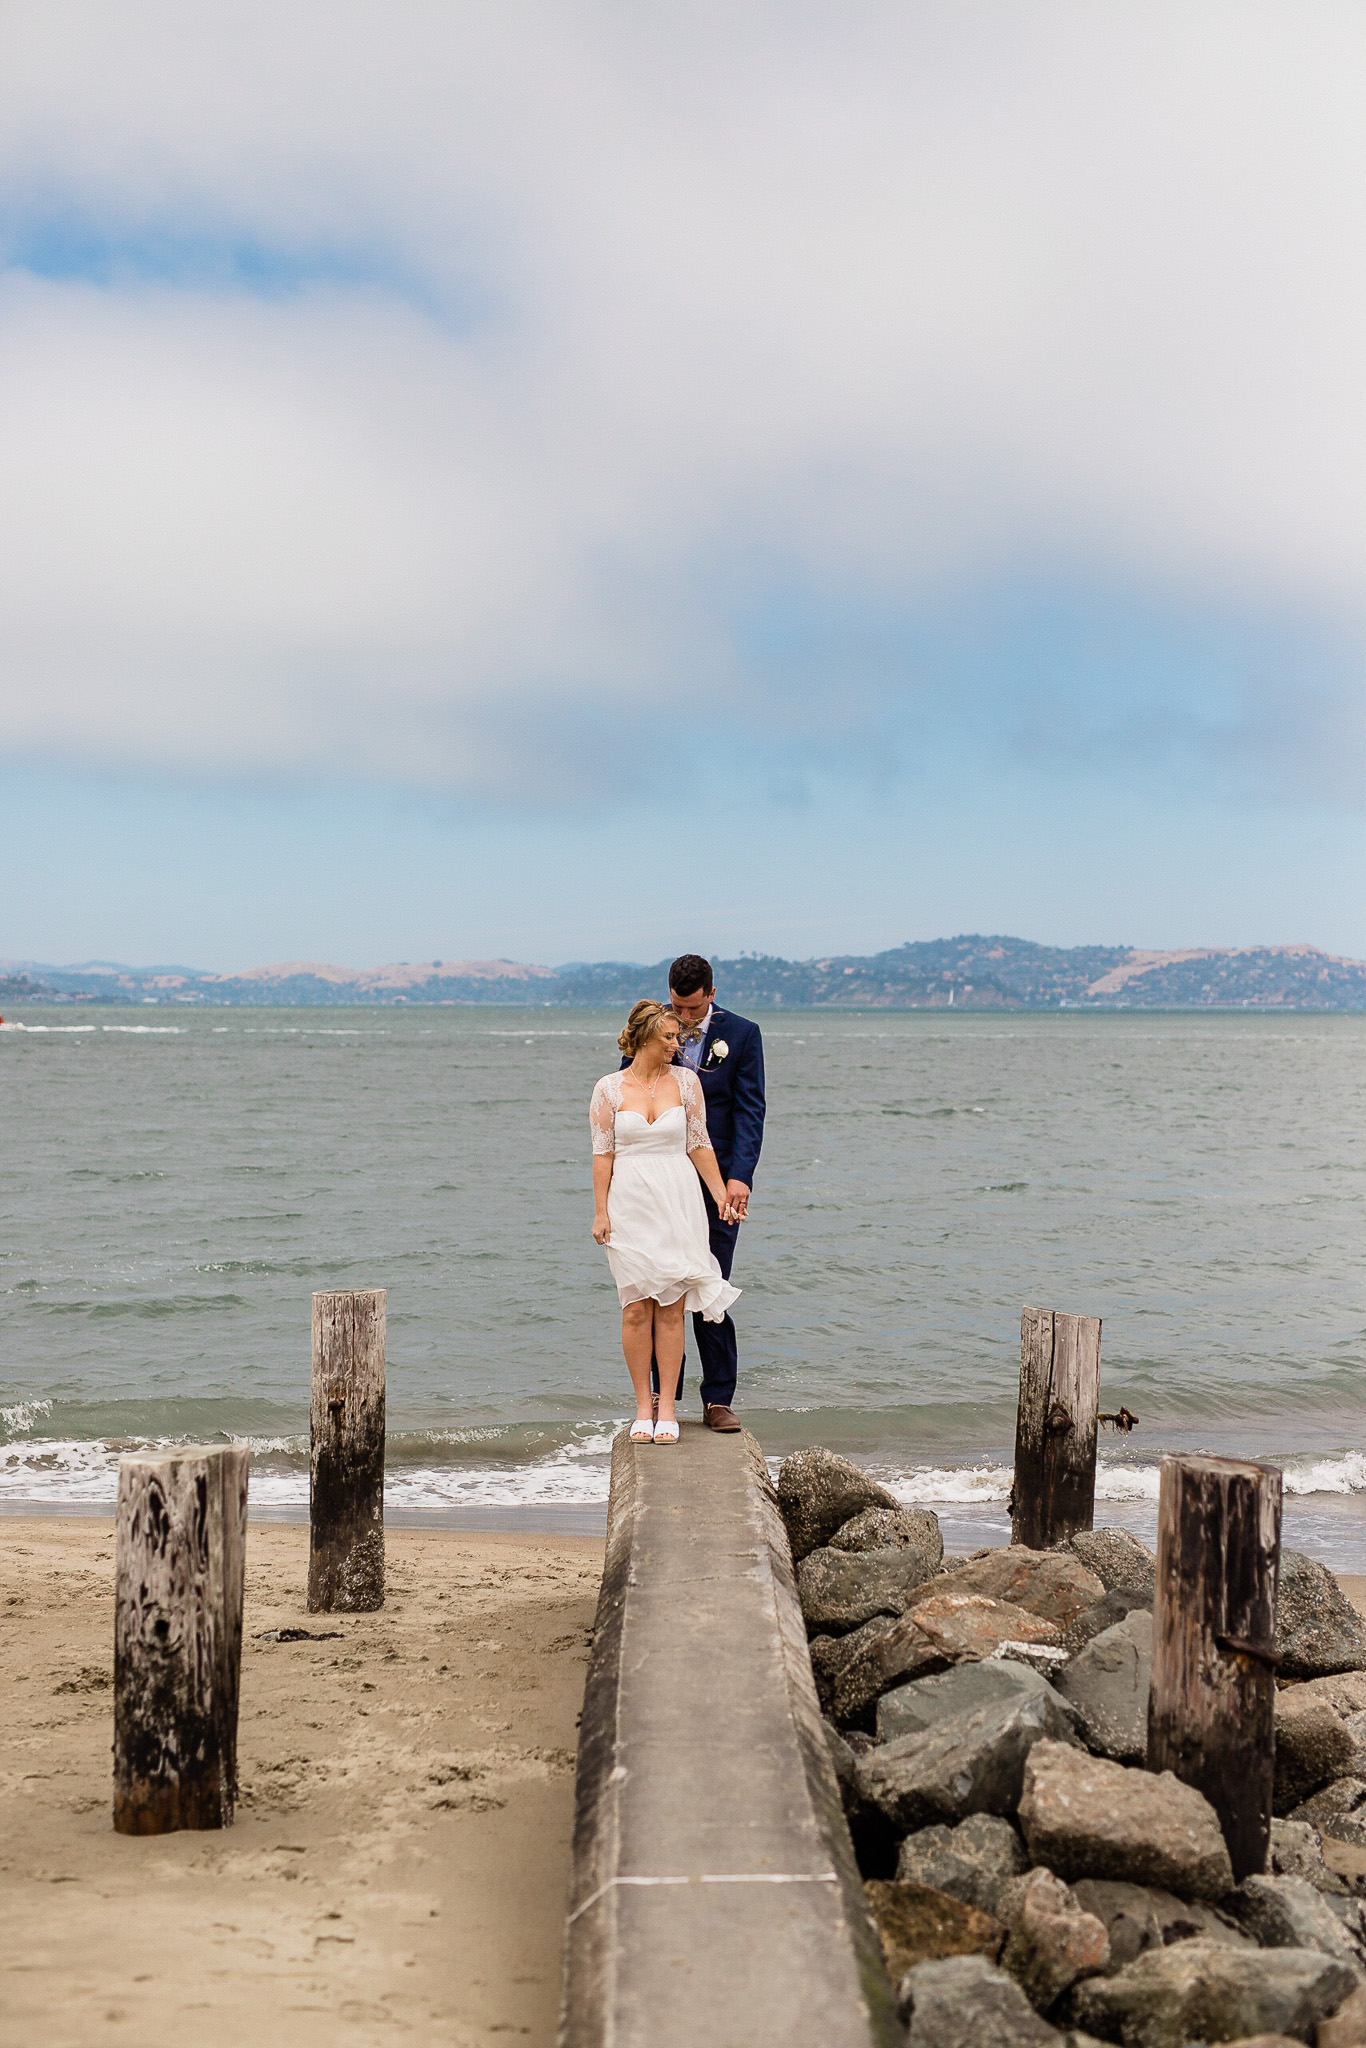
[(737, 1194)]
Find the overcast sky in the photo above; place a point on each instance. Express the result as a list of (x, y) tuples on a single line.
[(572, 480)]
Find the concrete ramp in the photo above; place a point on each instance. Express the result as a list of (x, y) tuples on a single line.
[(714, 1901)]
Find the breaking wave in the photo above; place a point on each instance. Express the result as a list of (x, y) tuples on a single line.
[(447, 1470)]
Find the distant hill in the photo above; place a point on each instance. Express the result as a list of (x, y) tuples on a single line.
[(301, 983), (1012, 974), (973, 973), (22, 988)]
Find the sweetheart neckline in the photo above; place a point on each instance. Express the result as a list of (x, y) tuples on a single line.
[(651, 1121)]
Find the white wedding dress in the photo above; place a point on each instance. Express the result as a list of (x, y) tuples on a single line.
[(658, 1247)]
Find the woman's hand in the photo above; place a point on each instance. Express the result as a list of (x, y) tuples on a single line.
[(602, 1229), (727, 1208)]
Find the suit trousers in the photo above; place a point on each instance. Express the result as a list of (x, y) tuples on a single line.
[(716, 1345)]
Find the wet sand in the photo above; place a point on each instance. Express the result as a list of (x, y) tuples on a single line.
[(400, 1858)]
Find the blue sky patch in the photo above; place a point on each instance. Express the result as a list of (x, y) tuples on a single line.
[(68, 246)]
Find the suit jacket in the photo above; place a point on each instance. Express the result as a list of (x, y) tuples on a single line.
[(733, 1088)]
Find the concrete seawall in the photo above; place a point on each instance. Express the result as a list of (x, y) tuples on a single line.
[(714, 1900)]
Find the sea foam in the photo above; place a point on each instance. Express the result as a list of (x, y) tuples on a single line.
[(577, 1473)]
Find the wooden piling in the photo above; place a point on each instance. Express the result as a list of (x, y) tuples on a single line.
[(180, 1555), (346, 1549), (1055, 1427), (1211, 1707)]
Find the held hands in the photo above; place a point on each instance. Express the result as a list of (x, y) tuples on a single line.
[(732, 1201)]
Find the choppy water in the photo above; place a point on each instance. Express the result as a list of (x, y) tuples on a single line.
[(175, 1185)]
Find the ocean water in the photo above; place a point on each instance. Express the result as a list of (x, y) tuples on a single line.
[(175, 1184)]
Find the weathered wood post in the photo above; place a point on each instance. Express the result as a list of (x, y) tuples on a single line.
[(346, 1548), (180, 1555), (1055, 1427), (1211, 1707)]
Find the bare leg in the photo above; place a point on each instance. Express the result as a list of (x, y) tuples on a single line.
[(637, 1343), (668, 1347)]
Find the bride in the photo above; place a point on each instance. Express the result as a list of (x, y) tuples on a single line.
[(648, 1122)]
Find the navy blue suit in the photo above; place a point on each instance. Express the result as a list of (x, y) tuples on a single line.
[(733, 1088)]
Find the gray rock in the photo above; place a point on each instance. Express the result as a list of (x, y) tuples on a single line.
[(1117, 1559), (926, 1701), (972, 1764), (1286, 1912), (1345, 1691), (1053, 1941), (1339, 1810), (852, 1672), (966, 2002), (1350, 1915), (841, 1589), (828, 1655), (1087, 1817), (1314, 1745), (893, 1529), (1205, 1991), (1318, 1631), (947, 1628), (1138, 1917), (1297, 1851), (1108, 1684), (970, 1862), (1050, 1583), (842, 1757), (818, 1492), (1113, 1607)]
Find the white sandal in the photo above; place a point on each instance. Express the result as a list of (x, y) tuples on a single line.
[(666, 1432), (642, 1430)]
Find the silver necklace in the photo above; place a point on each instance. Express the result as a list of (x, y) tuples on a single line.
[(650, 1089)]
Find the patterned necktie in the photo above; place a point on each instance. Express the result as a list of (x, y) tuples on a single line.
[(692, 1036)]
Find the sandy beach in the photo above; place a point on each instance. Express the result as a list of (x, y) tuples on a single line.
[(400, 1857)]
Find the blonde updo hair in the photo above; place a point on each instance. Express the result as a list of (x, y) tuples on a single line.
[(641, 1025)]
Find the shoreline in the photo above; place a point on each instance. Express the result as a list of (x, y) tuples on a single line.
[(400, 1855), (548, 1519), (1334, 1531)]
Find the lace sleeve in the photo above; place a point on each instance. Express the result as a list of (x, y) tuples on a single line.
[(602, 1114), (695, 1103)]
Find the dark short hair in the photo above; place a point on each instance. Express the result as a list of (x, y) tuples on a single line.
[(689, 973)]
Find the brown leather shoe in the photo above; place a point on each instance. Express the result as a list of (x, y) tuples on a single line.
[(717, 1416)]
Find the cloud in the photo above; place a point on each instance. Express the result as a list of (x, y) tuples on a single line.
[(434, 393)]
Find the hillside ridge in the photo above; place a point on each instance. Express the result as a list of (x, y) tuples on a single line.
[(971, 971)]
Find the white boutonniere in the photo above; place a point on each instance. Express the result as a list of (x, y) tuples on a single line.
[(719, 1050)]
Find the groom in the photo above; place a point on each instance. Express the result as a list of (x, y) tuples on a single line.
[(726, 1053)]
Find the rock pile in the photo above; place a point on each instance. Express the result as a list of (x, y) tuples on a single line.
[(1031, 1881)]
